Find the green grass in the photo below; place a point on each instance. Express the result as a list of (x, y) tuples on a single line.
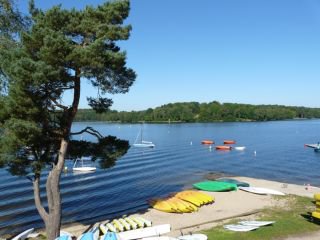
[(291, 219)]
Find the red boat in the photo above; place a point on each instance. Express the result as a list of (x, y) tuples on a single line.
[(207, 142), (223, 147)]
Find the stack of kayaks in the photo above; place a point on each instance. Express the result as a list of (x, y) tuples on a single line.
[(316, 213), (182, 202), (125, 224), (215, 186)]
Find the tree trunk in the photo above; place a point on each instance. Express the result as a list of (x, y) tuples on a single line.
[(52, 217)]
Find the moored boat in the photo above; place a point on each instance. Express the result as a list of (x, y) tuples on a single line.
[(207, 142), (229, 142), (223, 147)]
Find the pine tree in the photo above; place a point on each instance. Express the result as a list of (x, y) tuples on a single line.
[(48, 57)]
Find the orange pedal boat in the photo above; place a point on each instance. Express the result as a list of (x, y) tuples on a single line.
[(207, 142), (229, 142), (223, 147)]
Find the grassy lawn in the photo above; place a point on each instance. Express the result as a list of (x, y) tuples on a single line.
[(291, 218)]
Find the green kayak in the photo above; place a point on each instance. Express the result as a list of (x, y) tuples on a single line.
[(215, 186), (235, 181)]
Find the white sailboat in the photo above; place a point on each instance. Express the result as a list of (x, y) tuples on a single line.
[(142, 143), (83, 168)]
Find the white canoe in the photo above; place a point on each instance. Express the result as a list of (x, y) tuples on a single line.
[(262, 191), (239, 228), (197, 236), (240, 148), (145, 232), (256, 223), (23, 235), (159, 238)]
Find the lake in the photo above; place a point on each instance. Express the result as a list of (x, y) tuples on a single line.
[(177, 161)]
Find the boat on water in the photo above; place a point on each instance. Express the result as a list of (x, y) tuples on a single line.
[(316, 147), (229, 142), (223, 147), (240, 148), (139, 142), (207, 142), (83, 167)]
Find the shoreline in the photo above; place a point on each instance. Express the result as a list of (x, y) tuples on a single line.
[(227, 205)]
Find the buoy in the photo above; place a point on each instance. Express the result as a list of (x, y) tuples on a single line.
[(255, 153)]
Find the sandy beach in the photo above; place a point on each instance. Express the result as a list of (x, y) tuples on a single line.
[(227, 205)]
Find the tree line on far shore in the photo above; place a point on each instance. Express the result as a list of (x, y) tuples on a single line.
[(203, 112)]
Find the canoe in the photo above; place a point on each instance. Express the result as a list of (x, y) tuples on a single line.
[(229, 142), (235, 181), (215, 186), (256, 223), (125, 224), (223, 147), (23, 235), (145, 232), (240, 148), (316, 196), (159, 238), (197, 236), (316, 215), (262, 191), (239, 228), (116, 223), (146, 222), (103, 228), (111, 227), (132, 223), (207, 142)]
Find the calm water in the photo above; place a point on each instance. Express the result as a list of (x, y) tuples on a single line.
[(177, 161)]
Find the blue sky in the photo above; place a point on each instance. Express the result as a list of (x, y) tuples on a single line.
[(240, 51)]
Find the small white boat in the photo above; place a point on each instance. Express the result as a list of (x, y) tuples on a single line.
[(142, 143), (256, 223), (240, 228), (240, 148), (23, 235), (82, 167), (197, 236), (159, 238), (262, 191), (145, 232)]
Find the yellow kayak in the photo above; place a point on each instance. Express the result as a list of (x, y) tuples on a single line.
[(162, 205), (316, 215), (317, 196)]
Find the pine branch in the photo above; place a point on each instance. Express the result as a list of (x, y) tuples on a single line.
[(89, 130)]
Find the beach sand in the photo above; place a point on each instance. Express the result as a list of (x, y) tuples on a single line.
[(227, 205)]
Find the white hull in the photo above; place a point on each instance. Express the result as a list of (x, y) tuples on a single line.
[(145, 232), (144, 145), (240, 228), (256, 223), (262, 191), (240, 148), (197, 236), (84, 169)]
